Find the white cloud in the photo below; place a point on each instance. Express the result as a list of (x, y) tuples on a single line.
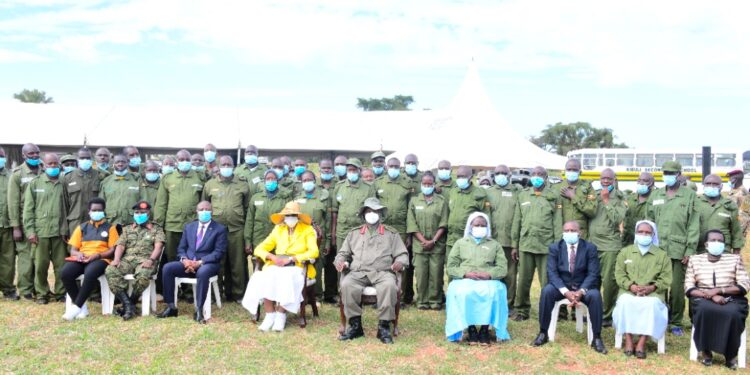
[(10, 56)]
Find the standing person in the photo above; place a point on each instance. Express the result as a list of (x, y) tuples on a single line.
[(672, 208), (741, 198), (168, 165), (135, 165), (412, 172), (444, 181), (103, 155), (210, 155), (577, 197), (252, 170), (377, 163), (339, 167), (637, 204), (316, 203), (121, 190), (68, 163), (465, 199), (150, 183), (368, 176), (326, 175), (262, 204), (198, 164), (79, 187), (720, 213), (7, 246), (502, 198)]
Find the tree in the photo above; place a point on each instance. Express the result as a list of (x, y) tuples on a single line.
[(33, 96), (396, 103), (561, 138)]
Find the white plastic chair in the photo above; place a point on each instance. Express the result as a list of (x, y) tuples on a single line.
[(741, 356), (148, 297), (106, 296), (213, 283), (581, 310), (661, 344)]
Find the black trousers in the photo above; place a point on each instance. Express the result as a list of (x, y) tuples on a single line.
[(550, 296), (90, 271)]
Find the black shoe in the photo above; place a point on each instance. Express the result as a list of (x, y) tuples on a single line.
[(190, 300), (128, 311), (607, 323), (28, 296), (520, 318), (169, 312), (404, 305), (598, 345), (436, 307), (732, 364), (707, 358), (60, 298), (330, 300), (355, 329), (384, 332), (198, 316), (11, 295), (484, 335), (423, 307), (42, 301), (473, 335), (540, 339)]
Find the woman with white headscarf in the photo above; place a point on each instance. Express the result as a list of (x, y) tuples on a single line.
[(643, 272), (476, 296)]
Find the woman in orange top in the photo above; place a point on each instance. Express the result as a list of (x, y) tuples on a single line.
[(91, 249)]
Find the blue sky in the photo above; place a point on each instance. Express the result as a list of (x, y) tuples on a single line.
[(661, 74)]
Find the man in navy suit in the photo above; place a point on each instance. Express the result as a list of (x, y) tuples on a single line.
[(199, 254), (573, 273)]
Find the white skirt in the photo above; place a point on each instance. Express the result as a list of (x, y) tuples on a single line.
[(640, 316), (279, 284)]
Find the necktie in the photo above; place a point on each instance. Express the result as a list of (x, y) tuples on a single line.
[(198, 241), (572, 260)]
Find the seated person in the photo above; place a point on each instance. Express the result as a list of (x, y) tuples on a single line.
[(137, 252), (201, 248), (643, 272), (279, 284), (716, 283), (476, 296), (92, 245), (573, 274), (373, 254)]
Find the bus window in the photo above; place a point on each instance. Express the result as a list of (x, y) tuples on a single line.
[(644, 160), (575, 156), (725, 160), (609, 160), (589, 161), (699, 160), (663, 158), (599, 160), (686, 160), (624, 160)]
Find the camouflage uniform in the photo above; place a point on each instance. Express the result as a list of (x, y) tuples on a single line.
[(139, 242), (741, 197)]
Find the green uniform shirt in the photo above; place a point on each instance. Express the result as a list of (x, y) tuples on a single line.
[(503, 202), (149, 191), (676, 220), (121, 194), (414, 183), (347, 201), (444, 187), (636, 212), (427, 217), (289, 182), (537, 221), (653, 268), (581, 208), (604, 227), (722, 215), (4, 178), (19, 181), (469, 256), (176, 200), (78, 188), (139, 240), (253, 176), (461, 204), (230, 201), (43, 211), (317, 205), (258, 223), (394, 195)]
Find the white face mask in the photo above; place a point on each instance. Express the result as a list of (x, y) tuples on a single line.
[(479, 232), (291, 221), (372, 217)]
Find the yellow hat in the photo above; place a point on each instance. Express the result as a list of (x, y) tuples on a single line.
[(291, 208)]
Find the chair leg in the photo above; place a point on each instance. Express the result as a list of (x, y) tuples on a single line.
[(153, 295), (693, 348), (618, 341), (742, 355), (217, 294), (553, 322)]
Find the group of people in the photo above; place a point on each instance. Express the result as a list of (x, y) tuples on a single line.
[(630, 258)]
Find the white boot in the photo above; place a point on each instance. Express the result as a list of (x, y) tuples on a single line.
[(84, 312), (268, 321), (279, 322), (71, 312)]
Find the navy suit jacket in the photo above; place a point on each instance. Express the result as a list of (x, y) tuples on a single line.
[(586, 273), (212, 248)]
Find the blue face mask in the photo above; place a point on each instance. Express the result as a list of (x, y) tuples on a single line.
[(326, 176), (669, 179), (198, 168), (444, 174), (610, 188), (394, 173), (428, 190), (167, 169), (152, 176), (462, 183), (572, 176), (643, 240), (570, 237), (537, 181), (184, 166), (352, 176), (410, 169), (96, 215), (715, 248), (226, 171), (32, 162), (711, 191), (84, 164), (272, 185), (340, 170), (642, 189), (210, 156), (140, 218), (121, 173), (308, 186), (68, 169), (501, 179), (52, 172), (102, 166), (204, 216), (299, 170), (251, 159), (286, 169), (378, 170), (2, 162), (279, 172), (134, 162)]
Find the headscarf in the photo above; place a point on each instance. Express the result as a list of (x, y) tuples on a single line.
[(474, 215), (655, 236)]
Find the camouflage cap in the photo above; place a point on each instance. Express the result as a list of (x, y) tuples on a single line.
[(354, 162), (377, 154)]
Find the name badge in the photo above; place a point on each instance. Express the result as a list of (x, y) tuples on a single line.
[(258, 203), (301, 201), (197, 185), (26, 179), (214, 190), (658, 202), (39, 190), (525, 203), (256, 180), (338, 198), (419, 207), (133, 187), (722, 214), (628, 261), (73, 183), (485, 247), (380, 191), (507, 194)]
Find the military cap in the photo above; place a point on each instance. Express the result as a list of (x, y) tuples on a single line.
[(377, 154), (142, 205), (671, 166), (354, 162)]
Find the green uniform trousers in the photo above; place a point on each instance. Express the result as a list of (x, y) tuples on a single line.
[(48, 250), (407, 283), (130, 265), (428, 268), (25, 267), (510, 278), (607, 261), (7, 260), (233, 272), (527, 264), (676, 298)]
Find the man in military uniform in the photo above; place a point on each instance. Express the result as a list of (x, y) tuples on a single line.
[(339, 167), (19, 182), (168, 165), (79, 187), (412, 173), (377, 163), (287, 180), (7, 246), (134, 160), (462, 201), (537, 222), (741, 198), (373, 253), (44, 222), (368, 176), (137, 252), (229, 195), (270, 200), (198, 164), (672, 208), (251, 170), (637, 204), (150, 182), (102, 160), (578, 199), (718, 212), (316, 203), (68, 164), (604, 232), (327, 181), (444, 181), (210, 155), (502, 197), (121, 190)]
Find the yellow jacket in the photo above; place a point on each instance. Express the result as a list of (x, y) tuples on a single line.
[(302, 244)]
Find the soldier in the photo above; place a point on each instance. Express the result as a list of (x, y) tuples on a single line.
[(168, 165), (79, 187), (578, 201), (427, 220), (7, 246), (377, 163), (286, 180), (339, 167), (462, 201), (68, 163), (502, 198), (262, 204), (637, 204), (720, 213), (444, 181), (44, 222), (741, 198), (134, 160), (251, 170), (368, 176), (316, 203), (300, 166), (121, 190), (672, 208), (150, 183), (229, 195), (198, 164), (102, 159), (19, 182), (326, 175), (537, 222), (209, 154), (604, 232), (414, 176), (137, 252)]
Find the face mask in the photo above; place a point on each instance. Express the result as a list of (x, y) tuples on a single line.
[(52, 172), (96, 215), (715, 248), (121, 173), (372, 218), (410, 169), (251, 159), (286, 169), (537, 181), (68, 169), (711, 192), (643, 240), (32, 162), (308, 186), (731, 184), (642, 189), (299, 170), (570, 237), (444, 174), (478, 232), (394, 173), (462, 183), (670, 179), (352, 176), (204, 216), (340, 170), (272, 185), (572, 176), (134, 162), (198, 168), (167, 169), (291, 221), (140, 218), (184, 166), (378, 170), (2, 162), (501, 179), (84, 164), (279, 172), (102, 166), (226, 171), (210, 156), (152, 176), (428, 190), (326, 176)]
